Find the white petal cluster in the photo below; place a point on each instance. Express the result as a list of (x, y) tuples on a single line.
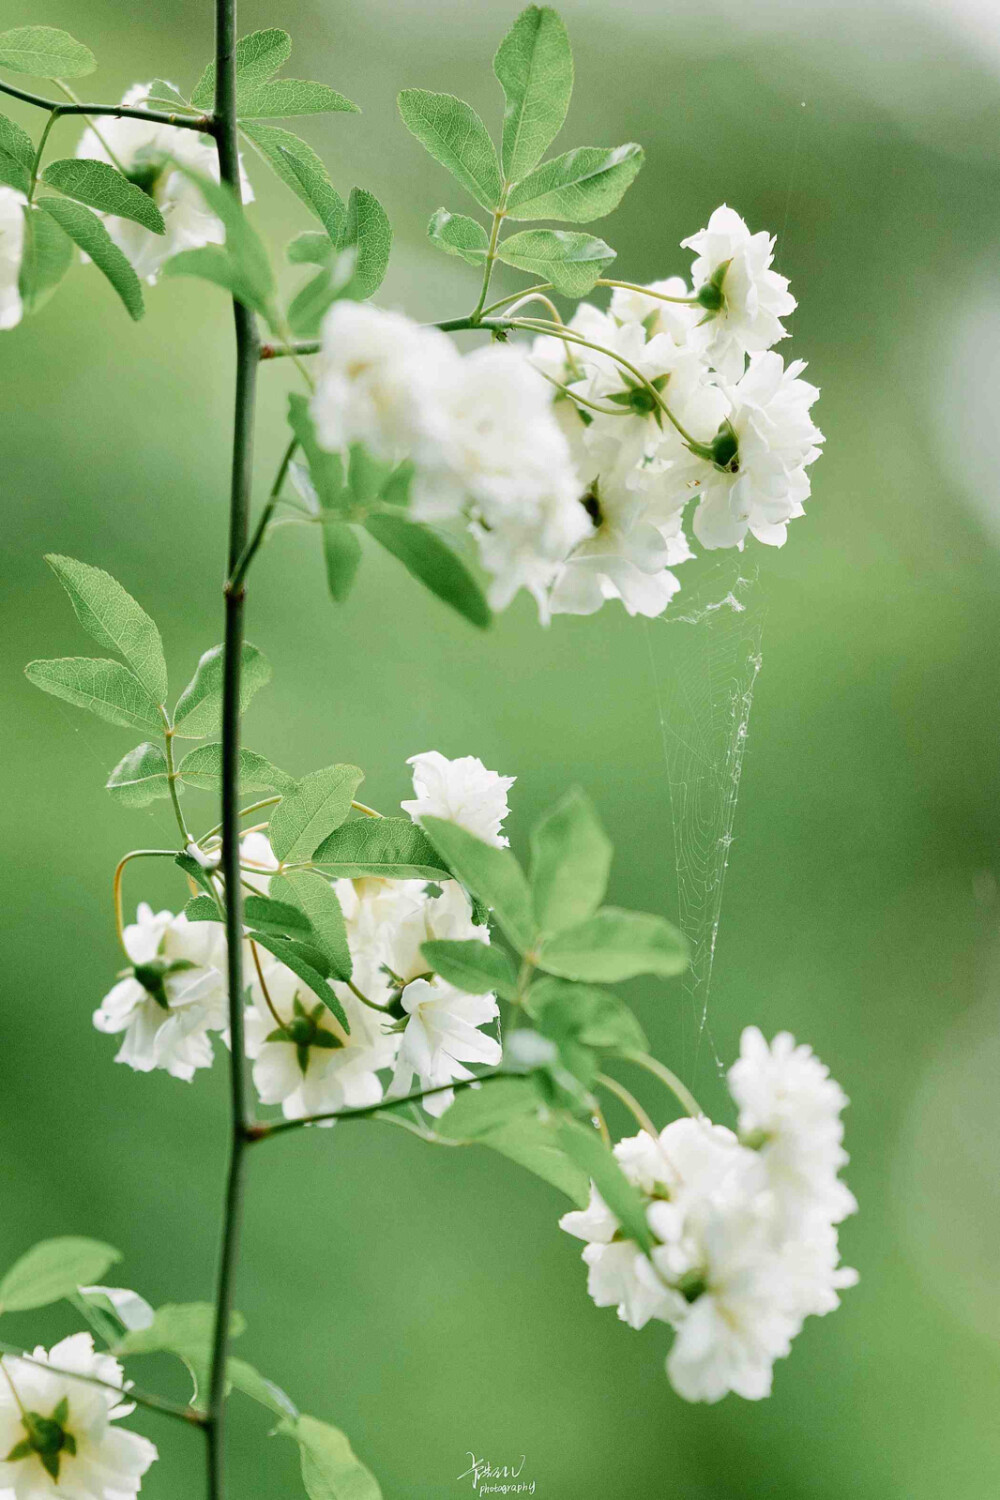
[(753, 298), (463, 791), (12, 205), (146, 153), (172, 998), (75, 1452), (744, 1225)]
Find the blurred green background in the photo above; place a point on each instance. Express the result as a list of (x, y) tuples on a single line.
[(426, 1301)]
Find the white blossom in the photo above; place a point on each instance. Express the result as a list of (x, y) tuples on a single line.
[(462, 791), (12, 206), (147, 153), (776, 440), (256, 858), (441, 1034), (172, 998), (56, 1432), (753, 297)]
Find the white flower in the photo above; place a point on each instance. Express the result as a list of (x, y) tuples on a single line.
[(256, 855), (776, 441), (304, 1060), (174, 996), (144, 150), (752, 297), (56, 1437), (380, 380), (790, 1111), (462, 791), (442, 1034), (12, 205)]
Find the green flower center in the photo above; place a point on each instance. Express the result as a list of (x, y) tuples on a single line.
[(47, 1437)]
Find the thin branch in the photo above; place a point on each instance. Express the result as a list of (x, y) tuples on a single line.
[(250, 550), (263, 1132), (203, 123), (630, 1102), (299, 347), (116, 886), (141, 1398), (663, 1073)]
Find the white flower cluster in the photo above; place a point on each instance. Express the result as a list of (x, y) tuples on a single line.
[(744, 1225), (56, 1432), (579, 496), (174, 998)]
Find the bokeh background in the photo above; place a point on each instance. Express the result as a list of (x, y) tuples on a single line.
[(426, 1301)]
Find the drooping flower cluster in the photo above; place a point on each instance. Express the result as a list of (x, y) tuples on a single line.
[(416, 1029), (574, 475), (743, 1224), (56, 1433)]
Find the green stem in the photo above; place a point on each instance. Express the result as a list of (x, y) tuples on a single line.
[(630, 1102), (280, 1127), (250, 550), (202, 123), (141, 1398), (244, 813), (247, 352), (663, 1073), (491, 254), (632, 286), (168, 741), (53, 117), (543, 286), (103, 139), (116, 887), (300, 347)]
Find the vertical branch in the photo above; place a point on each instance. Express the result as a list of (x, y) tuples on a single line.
[(247, 350)]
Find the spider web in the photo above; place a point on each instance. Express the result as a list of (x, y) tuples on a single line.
[(704, 681)]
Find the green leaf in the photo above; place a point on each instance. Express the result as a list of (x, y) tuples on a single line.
[(424, 554), (199, 707), (474, 967), (300, 169), (250, 268), (17, 155), (534, 66), (325, 469), (457, 138), (93, 239), (185, 1329), (368, 231), (533, 1145), (570, 260), (614, 945), (245, 1378), (584, 1145), (581, 1013), (282, 917), (203, 909), (342, 555), (289, 96), (107, 688), (582, 185), (195, 872), (457, 234), (365, 474), (331, 1470), (140, 777), (396, 488), (46, 256), (102, 186), (392, 848), (503, 1115), (478, 1112), (258, 55), (114, 620), (313, 247), (162, 92), (202, 767), (317, 806), (313, 896), (335, 280), (493, 875), (292, 956), (45, 52), (570, 861), (54, 1269)]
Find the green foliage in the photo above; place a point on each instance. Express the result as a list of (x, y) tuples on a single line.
[(300, 169), (313, 898), (140, 777), (570, 861), (342, 556), (184, 1329), (457, 138), (307, 815), (161, 92), (45, 52), (614, 945), (584, 1146), (303, 960), (102, 186), (245, 1378), (424, 554), (195, 872), (199, 707), (571, 261), (310, 248), (258, 55), (392, 848), (114, 620), (107, 688), (202, 767), (325, 469), (268, 915), (52, 1270), (457, 234), (490, 874), (583, 1021), (503, 1115), (46, 256), (290, 96), (368, 232), (578, 187), (17, 155), (89, 233), (203, 909), (331, 1470), (241, 266), (472, 966), (534, 66)]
